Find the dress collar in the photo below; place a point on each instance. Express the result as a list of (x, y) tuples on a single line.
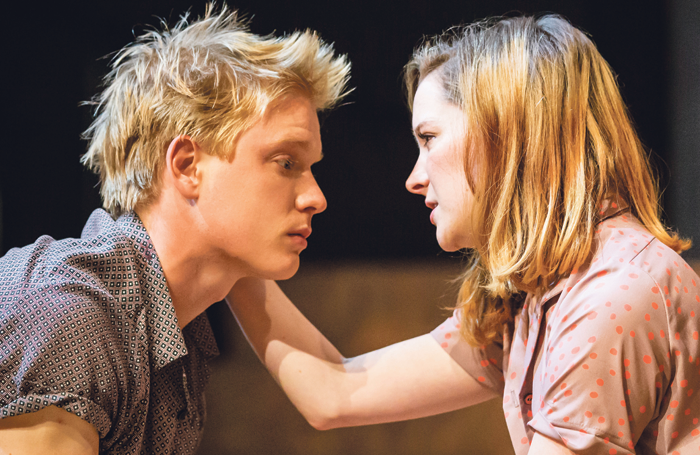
[(609, 208)]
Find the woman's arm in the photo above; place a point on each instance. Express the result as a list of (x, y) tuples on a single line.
[(407, 380), (543, 445)]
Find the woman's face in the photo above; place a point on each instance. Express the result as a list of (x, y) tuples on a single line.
[(439, 175)]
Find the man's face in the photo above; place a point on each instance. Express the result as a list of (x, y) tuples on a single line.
[(257, 207)]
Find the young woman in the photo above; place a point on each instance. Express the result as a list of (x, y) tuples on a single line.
[(575, 306)]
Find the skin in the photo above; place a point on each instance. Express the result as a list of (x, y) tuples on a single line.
[(438, 175), (332, 391), (246, 216), (407, 380), (214, 222), (51, 430)]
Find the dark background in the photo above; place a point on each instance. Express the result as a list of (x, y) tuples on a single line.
[(52, 61)]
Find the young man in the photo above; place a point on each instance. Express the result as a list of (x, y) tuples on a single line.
[(204, 139)]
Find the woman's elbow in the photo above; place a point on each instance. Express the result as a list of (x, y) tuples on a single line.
[(323, 413), (323, 418), (321, 424), (324, 401)]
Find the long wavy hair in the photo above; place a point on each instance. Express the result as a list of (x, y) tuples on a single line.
[(208, 78), (554, 139)]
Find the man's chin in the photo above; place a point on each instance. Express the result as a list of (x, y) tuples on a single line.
[(284, 273)]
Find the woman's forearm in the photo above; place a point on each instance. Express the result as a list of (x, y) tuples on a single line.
[(411, 379), (305, 364)]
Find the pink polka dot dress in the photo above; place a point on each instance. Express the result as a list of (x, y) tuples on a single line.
[(608, 360)]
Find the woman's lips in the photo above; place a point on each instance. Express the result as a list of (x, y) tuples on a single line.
[(432, 205)]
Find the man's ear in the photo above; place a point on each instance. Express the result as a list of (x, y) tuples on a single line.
[(181, 162)]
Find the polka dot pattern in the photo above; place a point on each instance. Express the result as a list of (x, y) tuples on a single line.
[(88, 325), (621, 331)]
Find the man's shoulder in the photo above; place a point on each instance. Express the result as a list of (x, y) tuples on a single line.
[(70, 269)]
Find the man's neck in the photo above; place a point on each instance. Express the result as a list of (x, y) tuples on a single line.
[(196, 276)]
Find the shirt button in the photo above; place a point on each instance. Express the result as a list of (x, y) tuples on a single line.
[(182, 414), (528, 399)]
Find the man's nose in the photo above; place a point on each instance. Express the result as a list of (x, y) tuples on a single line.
[(311, 198)]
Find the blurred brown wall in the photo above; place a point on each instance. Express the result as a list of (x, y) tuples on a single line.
[(359, 307)]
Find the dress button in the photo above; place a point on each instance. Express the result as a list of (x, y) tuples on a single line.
[(528, 398), (182, 414)]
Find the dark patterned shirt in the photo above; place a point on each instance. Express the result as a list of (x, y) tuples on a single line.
[(88, 325)]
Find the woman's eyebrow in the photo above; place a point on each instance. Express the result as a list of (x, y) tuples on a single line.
[(417, 128), (422, 125)]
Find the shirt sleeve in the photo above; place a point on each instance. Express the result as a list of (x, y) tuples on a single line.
[(607, 364), (484, 363), (55, 350)]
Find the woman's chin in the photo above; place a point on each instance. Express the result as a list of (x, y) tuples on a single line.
[(451, 244), (447, 246)]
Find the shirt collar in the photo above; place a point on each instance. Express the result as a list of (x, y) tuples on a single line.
[(200, 331), (166, 342)]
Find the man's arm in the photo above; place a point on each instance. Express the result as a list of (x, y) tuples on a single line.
[(52, 430), (407, 380)]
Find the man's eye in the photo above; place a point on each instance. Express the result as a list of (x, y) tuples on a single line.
[(286, 164)]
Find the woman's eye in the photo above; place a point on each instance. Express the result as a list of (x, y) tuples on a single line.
[(425, 138)]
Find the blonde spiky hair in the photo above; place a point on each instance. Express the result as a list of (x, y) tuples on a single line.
[(210, 79)]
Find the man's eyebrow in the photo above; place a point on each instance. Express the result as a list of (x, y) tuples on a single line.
[(290, 142), (300, 143)]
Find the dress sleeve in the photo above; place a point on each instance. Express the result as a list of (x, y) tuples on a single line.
[(606, 364), (484, 363)]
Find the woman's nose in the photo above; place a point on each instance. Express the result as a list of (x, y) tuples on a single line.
[(417, 182)]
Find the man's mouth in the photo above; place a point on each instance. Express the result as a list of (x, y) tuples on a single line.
[(304, 232)]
